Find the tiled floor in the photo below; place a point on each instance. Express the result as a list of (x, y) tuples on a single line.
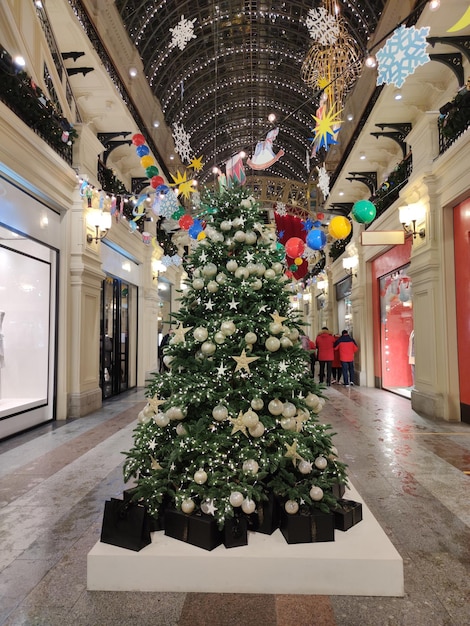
[(410, 471)]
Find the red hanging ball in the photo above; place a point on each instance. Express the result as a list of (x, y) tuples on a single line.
[(138, 139)]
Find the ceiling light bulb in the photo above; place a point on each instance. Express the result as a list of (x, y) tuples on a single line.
[(19, 60), (350, 117), (371, 61), (362, 156), (434, 5), (156, 123), (271, 117), (398, 95), (132, 72)]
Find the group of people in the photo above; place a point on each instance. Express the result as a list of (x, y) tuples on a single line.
[(335, 355)]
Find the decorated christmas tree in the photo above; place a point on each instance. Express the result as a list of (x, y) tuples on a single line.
[(234, 421)]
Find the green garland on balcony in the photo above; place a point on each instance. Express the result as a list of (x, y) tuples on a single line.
[(454, 116)]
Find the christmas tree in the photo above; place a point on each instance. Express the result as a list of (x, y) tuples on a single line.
[(234, 421)]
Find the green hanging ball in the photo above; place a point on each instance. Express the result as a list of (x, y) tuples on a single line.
[(293, 267), (364, 211), (151, 171), (179, 213)]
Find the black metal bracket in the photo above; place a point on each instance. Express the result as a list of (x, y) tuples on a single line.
[(454, 62), (71, 55), (138, 184), (106, 140), (71, 71), (461, 43), (398, 135), (344, 208), (369, 179)]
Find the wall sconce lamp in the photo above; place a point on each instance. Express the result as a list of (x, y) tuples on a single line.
[(101, 222), (157, 267), (409, 216), (322, 285), (349, 263)]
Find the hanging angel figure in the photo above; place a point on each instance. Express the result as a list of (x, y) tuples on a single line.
[(264, 155)]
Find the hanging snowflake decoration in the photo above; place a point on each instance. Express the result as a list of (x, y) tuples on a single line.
[(176, 260), (402, 54), (323, 181), (182, 33), (168, 204), (280, 208), (181, 139), (322, 26)]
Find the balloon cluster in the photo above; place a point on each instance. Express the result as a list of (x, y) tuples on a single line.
[(148, 163)]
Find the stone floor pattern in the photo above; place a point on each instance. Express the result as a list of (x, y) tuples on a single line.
[(413, 473)]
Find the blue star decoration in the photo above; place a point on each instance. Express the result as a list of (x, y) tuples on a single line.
[(402, 54), (307, 225), (281, 234)]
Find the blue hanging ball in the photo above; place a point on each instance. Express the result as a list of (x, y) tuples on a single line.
[(195, 229), (316, 239), (142, 151), (163, 189)]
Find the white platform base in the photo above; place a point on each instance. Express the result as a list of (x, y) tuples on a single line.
[(360, 562)]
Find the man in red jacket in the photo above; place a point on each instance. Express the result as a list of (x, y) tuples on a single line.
[(347, 348), (325, 353)]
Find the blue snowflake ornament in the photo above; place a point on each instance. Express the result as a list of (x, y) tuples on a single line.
[(402, 54)]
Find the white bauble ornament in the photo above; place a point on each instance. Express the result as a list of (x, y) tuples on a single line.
[(275, 407), (289, 409), (221, 278), (275, 328), (241, 272), (278, 268), (181, 430), (212, 286), (187, 506), (148, 411), (250, 466), (272, 344), (228, 328), (209, 270), (260, 269), (251, 337), (286, 342), (197, 273), (239, 236), (316, 493), (256, 285), (304, 467), (219, 337), (287, 423), (237, 222), (168, 360), (248, 506), (161, 419), (200, 333), (206, 507), (321, 462), (175, 413), (208, 348), (236, 498), (231, 265), (311, 400), (251, 267), (257, 404), (333, 452), (291, 507), (250, 237), (269, 273), (220, 413), (225, 226), (198, 284), (250, 418), (293, 334), (257, 430), (140, 416), (200, 476), (144, 419)]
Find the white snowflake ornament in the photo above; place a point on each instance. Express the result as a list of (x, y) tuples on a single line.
[(402, 54), (323, 181), (182, 33), (168, 204), (280, 208), (182, 139), (322, 26)]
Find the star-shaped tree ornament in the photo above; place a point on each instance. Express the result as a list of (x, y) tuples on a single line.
[(154, 403), (292, 453), (152, 445), (283, 366), (221, 370), (300, 419), (233, 304), (155, 465), (243, 361), (278, 319), (210, 507), (209, 305), (238, 424), (180, 333)]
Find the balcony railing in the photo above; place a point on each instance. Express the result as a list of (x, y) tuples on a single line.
[(454, 119)]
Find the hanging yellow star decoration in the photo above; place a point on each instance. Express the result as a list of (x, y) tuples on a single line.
[(278, 319), (180, 333), (238, 424), (185, 186), (155, 465), (154, 403), (292, 453), (196, 164), (327, 127), (243, 361)]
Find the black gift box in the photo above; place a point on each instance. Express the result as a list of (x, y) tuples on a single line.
[(347, 513), (308, 526), (203, 531), (176, 524), (338, 490), (156, 523), (236, 532), (125, 524), (266, 517)]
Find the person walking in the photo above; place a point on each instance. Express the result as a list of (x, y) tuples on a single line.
[(325, 353), (347, 348), (336, 365)]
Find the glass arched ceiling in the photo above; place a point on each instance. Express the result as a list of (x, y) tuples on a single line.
[(243, 64)]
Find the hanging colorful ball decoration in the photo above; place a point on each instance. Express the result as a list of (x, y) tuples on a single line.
[(339, 227), (151, 171), (316, 239), (294, 247), (142, 150), (186, 221), (156, 181), (147, 161), (320, 216), (195, 229), (363, 211), (138, 139), (298, 261)]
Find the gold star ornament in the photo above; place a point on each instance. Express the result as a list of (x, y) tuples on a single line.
[(292, 453), (180, 333), (278, 319), (238, 424), (243, 361)]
